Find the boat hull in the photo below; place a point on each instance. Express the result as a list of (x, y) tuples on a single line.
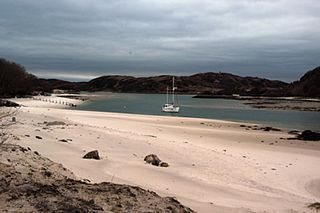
[(171, 109)]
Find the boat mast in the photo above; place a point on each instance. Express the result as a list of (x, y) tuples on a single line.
[(167, 94), (173, 90)]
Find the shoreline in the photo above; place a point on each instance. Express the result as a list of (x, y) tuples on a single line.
[(273, 103), (214, 165), (312, 105), (295, 105)]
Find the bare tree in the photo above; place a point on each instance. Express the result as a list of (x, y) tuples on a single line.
[(14, 80)]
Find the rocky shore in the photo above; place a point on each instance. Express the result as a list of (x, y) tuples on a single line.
[(300, 105)]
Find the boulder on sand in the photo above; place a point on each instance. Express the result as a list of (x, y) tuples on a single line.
[(164, 164), (92, 155), (152, 159), (155, 160), (308, 135)]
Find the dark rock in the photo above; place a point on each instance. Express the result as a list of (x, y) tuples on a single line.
[(7, 103), (86, 180), (38, 137), (92, 155), (164, 164), (155, 160), (63, 140), (269, 128), (294, 132), (22, 149), (152, 159), (309, 135), (315, 206), (54, 123), (47, 173)]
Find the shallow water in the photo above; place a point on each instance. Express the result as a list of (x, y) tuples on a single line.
[(225, 109)]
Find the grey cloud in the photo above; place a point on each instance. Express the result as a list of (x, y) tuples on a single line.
[(249, 37)]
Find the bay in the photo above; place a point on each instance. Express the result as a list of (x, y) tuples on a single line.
[(224, 109)]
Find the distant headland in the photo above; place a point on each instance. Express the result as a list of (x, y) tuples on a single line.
[(16, 81)]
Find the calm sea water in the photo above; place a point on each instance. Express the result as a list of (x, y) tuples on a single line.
[(231, 110)]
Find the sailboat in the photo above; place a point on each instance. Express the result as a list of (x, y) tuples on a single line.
[(173, 106)]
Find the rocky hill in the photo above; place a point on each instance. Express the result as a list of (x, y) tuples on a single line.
[(217, 83), (307, 86), (15, 81)]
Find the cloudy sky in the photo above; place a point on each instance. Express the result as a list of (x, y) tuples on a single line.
[(82, 39)]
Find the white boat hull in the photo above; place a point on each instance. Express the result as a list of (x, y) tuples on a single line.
[(170, 108)]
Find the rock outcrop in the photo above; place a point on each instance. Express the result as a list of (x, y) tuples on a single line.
[(92, 155), (307, 86), (309, 135)]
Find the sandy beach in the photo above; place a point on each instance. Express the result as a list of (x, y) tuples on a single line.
[(214, 165)]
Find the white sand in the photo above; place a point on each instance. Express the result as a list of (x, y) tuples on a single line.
[(215, 166), (53, 101)]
